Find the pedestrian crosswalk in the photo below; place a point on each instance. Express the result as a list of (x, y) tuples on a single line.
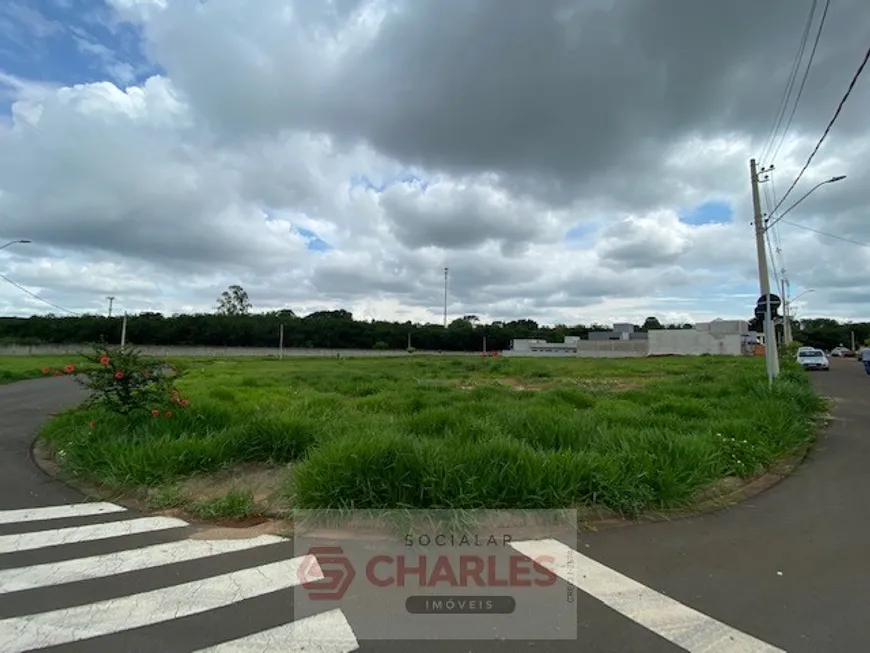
[(95, 576), (95, 605)]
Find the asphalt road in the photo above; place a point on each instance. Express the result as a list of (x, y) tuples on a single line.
[(784, 572)]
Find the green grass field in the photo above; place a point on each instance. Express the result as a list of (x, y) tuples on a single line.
[(460, 433), (21, 368)]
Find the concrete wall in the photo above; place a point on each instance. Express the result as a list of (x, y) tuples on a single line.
[(222, 352), (724, 327), (612, 348), (687, 342), (592, 349)]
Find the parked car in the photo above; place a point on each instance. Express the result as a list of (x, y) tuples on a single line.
[(813, 359), (842, 352)]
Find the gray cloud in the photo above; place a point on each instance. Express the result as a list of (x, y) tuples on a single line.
[(560, 95), (489, 130)]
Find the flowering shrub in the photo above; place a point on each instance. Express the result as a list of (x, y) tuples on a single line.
[(66, 369), (123, 381)]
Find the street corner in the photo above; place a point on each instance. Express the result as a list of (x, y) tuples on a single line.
[(429, 575)]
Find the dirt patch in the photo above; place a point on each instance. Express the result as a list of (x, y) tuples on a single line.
[(605, 385), (264, 482), (237, 531), (520, 386), (625, 386)]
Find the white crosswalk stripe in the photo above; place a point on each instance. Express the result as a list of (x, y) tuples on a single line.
[(74, 534), (100, 566), (42, 627), (689, 629), (58, 512)]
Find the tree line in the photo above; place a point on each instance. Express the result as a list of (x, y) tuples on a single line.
[(235, 325), (339, 330), (324, 329)]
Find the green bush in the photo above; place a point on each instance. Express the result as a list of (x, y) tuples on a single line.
[(123, 381)]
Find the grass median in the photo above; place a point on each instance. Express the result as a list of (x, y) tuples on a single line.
[(21, 368), (459, 433)]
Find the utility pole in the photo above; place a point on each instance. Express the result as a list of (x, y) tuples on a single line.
[(786, 311), (770, 352), (281, 342), (445, 298), (111, 301), (124, 331)]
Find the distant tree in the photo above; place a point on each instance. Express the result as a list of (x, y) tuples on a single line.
[(340, 314), (234, 301), (284, 312), (651, 323)]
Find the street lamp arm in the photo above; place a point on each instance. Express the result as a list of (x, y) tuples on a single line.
[(14, 242), (805, 292), (806, 195)]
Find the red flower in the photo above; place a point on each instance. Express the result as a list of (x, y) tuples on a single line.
[(46, 370), (155, 412), (69, 369), (168, 413), (92, 424), (119, 375), (104, 360), (58, 373), (184, 403)]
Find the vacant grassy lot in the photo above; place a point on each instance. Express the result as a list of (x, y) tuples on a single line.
[(20, 368), (628, 435)]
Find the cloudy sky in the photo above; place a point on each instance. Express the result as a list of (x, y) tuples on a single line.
[(568, 160)]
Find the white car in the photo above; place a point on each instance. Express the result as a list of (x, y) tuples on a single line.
[(813, 359)]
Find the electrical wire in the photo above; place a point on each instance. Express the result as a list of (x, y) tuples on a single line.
[(829, 235), (777, 238), (35, 296), (772, 260), (803, 80), (765, 198), (836, 115), (783, 103)]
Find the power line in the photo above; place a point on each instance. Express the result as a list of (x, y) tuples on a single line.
[(35, 296), (828, 128), (776, 235), (804, 79), (824, 233), (772, 258), (783, 103)]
